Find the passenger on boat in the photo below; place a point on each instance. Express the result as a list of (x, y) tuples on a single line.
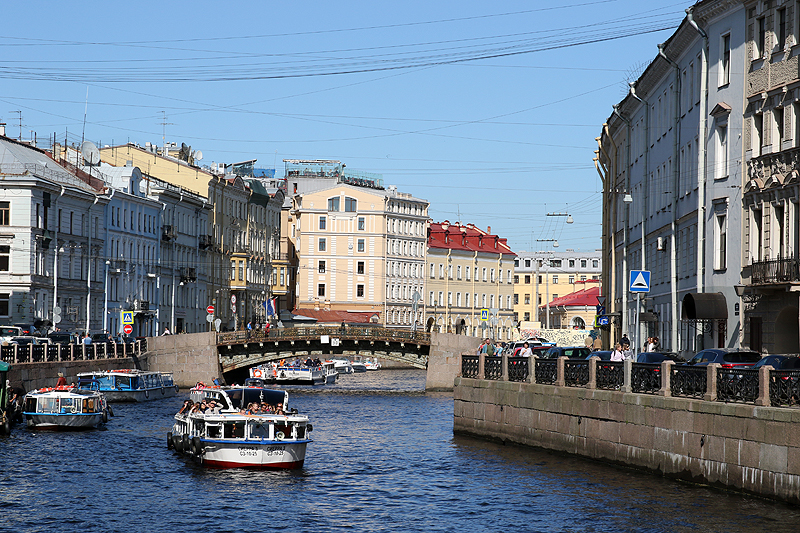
[(265, 408), (279, 409), (61, 380), (186, 407), (212, 408)]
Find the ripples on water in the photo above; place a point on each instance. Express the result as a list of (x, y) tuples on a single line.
[(383, 459)]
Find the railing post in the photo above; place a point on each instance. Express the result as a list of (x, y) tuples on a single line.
[(763, 386), (627, 366), (592, 372), (532, 369), (711, 382), (666, 378), (504, 367), (16, 350), (560, 372), (481, 359)]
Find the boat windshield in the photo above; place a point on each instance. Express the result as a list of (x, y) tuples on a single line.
[(271, 397), (123, 382)]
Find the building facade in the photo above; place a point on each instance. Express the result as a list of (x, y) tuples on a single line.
[(468, 271)]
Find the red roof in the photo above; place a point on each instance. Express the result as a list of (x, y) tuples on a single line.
[(336, 317), (585, 297), (448, 236)]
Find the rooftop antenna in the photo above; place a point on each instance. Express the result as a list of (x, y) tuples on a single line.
[(85, 110), (91, 155), (164, 125), (20, 122)]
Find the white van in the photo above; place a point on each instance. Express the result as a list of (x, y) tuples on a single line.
[(6, 332)]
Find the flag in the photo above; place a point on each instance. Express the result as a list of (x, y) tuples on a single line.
[(271, 307)]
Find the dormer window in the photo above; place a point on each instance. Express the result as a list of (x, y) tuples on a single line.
[(350, 204), (333, 203)]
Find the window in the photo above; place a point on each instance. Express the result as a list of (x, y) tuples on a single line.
[(241, 270), (333, 204), (467, 276), (583, 278), (555, 263), (362, 224), (466, 299), (555, 280), (594, 263), (720, 242), (441, 298), (483, 300), (458, 272), (360, 268), (322, 222), (571, 279), (321, 290), (583, 263), (516, 299), (5, 213), (777, 115), (527, 299), (433, 271), (233, 270), (360, 290), (449, 271), (725, 61), (491, 275), (321, 267), (432, 301), (441, 271), (5, 258), (722, 149), (458, 299), (283, 276), (449, 298), (323, 244), (5, 304), (484, 274), (526, 317), (361, 245), (527, 263), (527, 278), (350, 204), (780, 30), (516, 279), (760, 38)]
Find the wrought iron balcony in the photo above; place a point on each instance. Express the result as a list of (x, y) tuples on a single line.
[(188, 274), (141, 305), (206, 241), (168, 232), (784, 270)]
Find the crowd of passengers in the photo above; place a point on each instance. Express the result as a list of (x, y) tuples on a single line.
[(211, 407)]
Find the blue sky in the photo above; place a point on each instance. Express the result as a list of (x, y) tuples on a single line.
[(487, 110)]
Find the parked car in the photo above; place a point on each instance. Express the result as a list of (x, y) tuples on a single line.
[(604, 355), (7, 332), (573, 352), (101, 338), (659, 357), (22, 340), (121, 339), (726, 357), (779, 362), (63, 337), (27, 329)]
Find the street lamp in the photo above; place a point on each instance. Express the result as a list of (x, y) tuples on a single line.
[(569, 217), (554, 241)]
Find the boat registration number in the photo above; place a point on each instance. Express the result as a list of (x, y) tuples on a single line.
[(252, 451), (245, 451), (274, 450)]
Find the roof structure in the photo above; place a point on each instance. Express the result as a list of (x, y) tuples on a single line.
[(581, 298), (444, 235)]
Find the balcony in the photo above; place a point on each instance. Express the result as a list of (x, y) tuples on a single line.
[(168, 232), (119, 265), (188, 275), (141, 305), (784, 270), (206, 241)]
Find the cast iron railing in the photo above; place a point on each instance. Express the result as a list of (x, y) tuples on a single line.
[(50, 353), (469, 366), (610, 375), (546, 370), (784, 387), (776, 270), (493, 367), (689, 381), (576, 372), (518, 368), (646, 377), (737, 385)]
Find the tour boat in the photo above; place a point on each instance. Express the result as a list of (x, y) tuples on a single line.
[(358, 365), (329, 371), (131, 385), (288, 374), (231, 437), (65, 407)]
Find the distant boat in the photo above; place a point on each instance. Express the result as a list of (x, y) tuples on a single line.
[(342, 365), (372, 364), (288, 374), (131, 385)]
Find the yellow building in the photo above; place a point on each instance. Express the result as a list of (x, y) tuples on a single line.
[(469, 270)]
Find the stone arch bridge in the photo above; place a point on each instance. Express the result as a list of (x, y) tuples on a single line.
[(240, 350)]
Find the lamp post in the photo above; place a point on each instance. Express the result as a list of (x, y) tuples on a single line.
[(105, 301)]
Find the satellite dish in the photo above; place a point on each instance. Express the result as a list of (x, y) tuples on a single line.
[(91, 155), (198, 155)]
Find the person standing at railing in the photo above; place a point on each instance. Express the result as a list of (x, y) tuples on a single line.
[(617, 354), (626, 351), (526, 351)]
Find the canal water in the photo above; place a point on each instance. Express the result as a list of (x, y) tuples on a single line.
[(383, 459)]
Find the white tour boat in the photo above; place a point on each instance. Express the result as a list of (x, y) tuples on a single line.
[(65, 407), (358, 365), (329, 371), (342, 365), (131, 385), (288, 374), (372, 364), (232, 436)]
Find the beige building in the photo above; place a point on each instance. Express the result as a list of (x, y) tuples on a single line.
[(360, 249), (469, 270)]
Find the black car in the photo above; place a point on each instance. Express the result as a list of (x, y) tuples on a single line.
[(726, 357), (779, 362), (659, 357), (604, 355), (63, 337), (573, 352)]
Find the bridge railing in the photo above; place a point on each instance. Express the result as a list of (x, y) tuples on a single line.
[(51, 353), (307, 333), (763, 386)]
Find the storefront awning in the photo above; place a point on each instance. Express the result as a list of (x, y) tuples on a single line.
[(704, 306)]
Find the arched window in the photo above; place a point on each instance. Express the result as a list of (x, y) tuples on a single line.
[(350, 204), (333, 203)]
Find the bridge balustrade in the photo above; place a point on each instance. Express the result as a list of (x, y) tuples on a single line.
[(306, 333), (763, 386)]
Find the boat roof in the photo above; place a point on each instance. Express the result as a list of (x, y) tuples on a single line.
[(122, 372), (62, 390), (4, 366)]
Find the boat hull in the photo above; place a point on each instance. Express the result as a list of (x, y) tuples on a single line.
[(142, 395), (266, 455), (65, 421)]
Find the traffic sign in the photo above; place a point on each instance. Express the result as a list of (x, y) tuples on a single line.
[(640, 281), (484, 315), (127, 317), (209, 318), (602, 321), (210, 309), (233, 299), (127, 329)]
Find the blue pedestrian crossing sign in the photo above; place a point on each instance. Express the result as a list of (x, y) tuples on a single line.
[(127, 317), (640, 281), (484, 314)]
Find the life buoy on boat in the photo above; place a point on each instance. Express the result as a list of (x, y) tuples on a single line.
[(257, 373), (146, 393), (163, 391), (197, 446)]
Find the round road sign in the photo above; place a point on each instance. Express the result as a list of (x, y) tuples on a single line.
[(127, 329), (210, 309), (233, 299)]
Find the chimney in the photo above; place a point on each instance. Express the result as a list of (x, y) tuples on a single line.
[(488, 229), (445, 225), (3, 129)]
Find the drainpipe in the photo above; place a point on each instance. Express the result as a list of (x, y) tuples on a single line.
[(89, 267), (172, 307), (107, 255), (625, 231), (645, 195), (675, 184), (55, 255), (701, 171)]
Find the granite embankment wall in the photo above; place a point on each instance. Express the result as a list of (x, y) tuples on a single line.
[(190, 358), (444, 359), (30, 376), (749, 448)]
